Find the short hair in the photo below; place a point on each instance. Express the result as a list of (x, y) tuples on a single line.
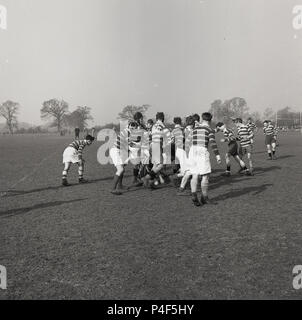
[(90, 138), (160, 116), (219, 124), (133, 124), (249, 119), (138, 116), (189, 121), (196, 117), (238, 120), (177, 120), (150, 121), (265, 121), (207, 116)]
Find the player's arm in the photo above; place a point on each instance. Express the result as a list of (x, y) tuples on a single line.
[(214, 146), (80, 151), (229, 138), (251, 133), (168, 137), (238, 138), (173, 136), (275, 132), (145, 154)]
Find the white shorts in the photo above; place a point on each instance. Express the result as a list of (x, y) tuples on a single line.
[(71, 155), (118, 157), (199, 161), (157, 157), (134, 157), (183, 161)]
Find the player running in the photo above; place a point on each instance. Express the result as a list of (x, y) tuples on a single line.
[(73, 154), (230, 138), (270, 139), (245, 136), (252, 126)]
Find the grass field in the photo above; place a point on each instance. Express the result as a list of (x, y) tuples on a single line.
[(82, 242)]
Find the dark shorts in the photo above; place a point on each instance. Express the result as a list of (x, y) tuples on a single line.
[(233, 148), (245, 150), (269, 140)]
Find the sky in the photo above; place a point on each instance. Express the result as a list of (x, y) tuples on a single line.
[(176, 55)]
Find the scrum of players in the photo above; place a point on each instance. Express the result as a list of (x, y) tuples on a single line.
[(150, 148)]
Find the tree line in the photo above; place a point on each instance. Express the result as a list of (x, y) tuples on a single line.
[(57, 111)]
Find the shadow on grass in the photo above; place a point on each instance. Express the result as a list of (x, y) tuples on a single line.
[(240, 192), (218, 181), (14, 212), (259, 152), (285, 157), (13, 193), (261, 170)]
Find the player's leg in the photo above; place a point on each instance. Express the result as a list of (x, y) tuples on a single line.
[(194, 182), (67, 166), (204, 189), (269, 151), (240, 152), (156, 173), (228, 164), (136, 180), (149, 178), (117, 160), (273, 147), (243, 169), (157, 164), (120, 183), (180, 166), (81, 171), (118, 179), (135, 174), (251, 166), (183, 183), (241, 163)]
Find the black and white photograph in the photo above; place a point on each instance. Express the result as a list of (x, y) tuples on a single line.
[(150, 150)]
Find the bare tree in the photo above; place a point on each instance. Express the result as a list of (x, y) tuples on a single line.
[(55, 109), (78, 118), (229, 109), (129, 111), (9, 111), (84, 114)]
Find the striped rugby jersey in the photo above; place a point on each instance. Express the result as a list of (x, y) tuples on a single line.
[(202, 136), (178, 137), (245, 134), (146, 141), (136, 137), (269, 130), (229, 135), (188, 138), (122, 140), (79, 145), (160, 134)]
